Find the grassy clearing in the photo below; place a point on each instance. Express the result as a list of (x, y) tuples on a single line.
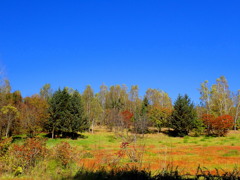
[(160, 150)]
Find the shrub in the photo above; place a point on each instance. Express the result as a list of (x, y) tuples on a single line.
[(64, 153), (4, 146), (222, 124), (127, 118), (218, 126), (134, 153), (28, 154)]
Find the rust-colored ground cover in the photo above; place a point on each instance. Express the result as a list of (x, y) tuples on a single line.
[(158, 151)]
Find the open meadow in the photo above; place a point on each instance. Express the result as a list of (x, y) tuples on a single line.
[(155, 151)]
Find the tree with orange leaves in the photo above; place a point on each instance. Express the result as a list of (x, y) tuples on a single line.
[(33, 114), (218, 126), (127, 118)]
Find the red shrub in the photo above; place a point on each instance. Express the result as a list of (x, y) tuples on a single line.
[(222, 124), (208, 119), (127, 118), (29, 153), (218, 126)]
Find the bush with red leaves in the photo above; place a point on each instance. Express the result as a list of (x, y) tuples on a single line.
[(28, 154), (218, 126), (127, 118)]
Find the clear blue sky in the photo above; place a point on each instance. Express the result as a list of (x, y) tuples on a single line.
[(170, 45)]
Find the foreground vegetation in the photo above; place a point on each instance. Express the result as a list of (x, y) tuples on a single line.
[(103, 155)]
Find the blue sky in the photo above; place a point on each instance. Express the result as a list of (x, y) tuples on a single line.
[(169, 45)]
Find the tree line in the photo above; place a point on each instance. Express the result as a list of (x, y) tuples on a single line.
[(65, 112)]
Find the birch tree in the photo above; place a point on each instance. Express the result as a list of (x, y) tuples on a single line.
[(237, 108), (88, 96)]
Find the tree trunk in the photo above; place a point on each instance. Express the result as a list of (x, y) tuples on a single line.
[(7, 130), (236, 117), (8, 126), (53, 133), (92, 125)]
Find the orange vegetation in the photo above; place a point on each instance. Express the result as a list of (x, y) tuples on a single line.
[(186, 158)]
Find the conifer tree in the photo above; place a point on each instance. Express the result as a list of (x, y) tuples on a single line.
[(184, 116), (75, 120), (66, 113)]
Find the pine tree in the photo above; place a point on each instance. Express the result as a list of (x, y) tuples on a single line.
[(184, 117), (75, 120), (66, 113), (58, 107)]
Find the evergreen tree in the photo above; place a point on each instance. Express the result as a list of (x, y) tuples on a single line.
[(66, 113), (184, 117), (57, 110), (75, 120)]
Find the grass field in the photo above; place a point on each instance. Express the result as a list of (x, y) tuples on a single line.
[(157, 151)]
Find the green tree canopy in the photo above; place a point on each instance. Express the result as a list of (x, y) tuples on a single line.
[(66, 113), (184, 116)]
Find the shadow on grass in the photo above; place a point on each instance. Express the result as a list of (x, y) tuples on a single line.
[(171, 133), (73, 136), (170, 174), (17, 138)]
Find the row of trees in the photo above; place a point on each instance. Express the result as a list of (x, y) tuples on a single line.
[(21, 115), (66, 112)]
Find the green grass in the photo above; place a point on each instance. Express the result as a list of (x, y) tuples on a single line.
[(112, 139), (109, 139), (158, 147), (88, 140), (151, 154), (231, 153)]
